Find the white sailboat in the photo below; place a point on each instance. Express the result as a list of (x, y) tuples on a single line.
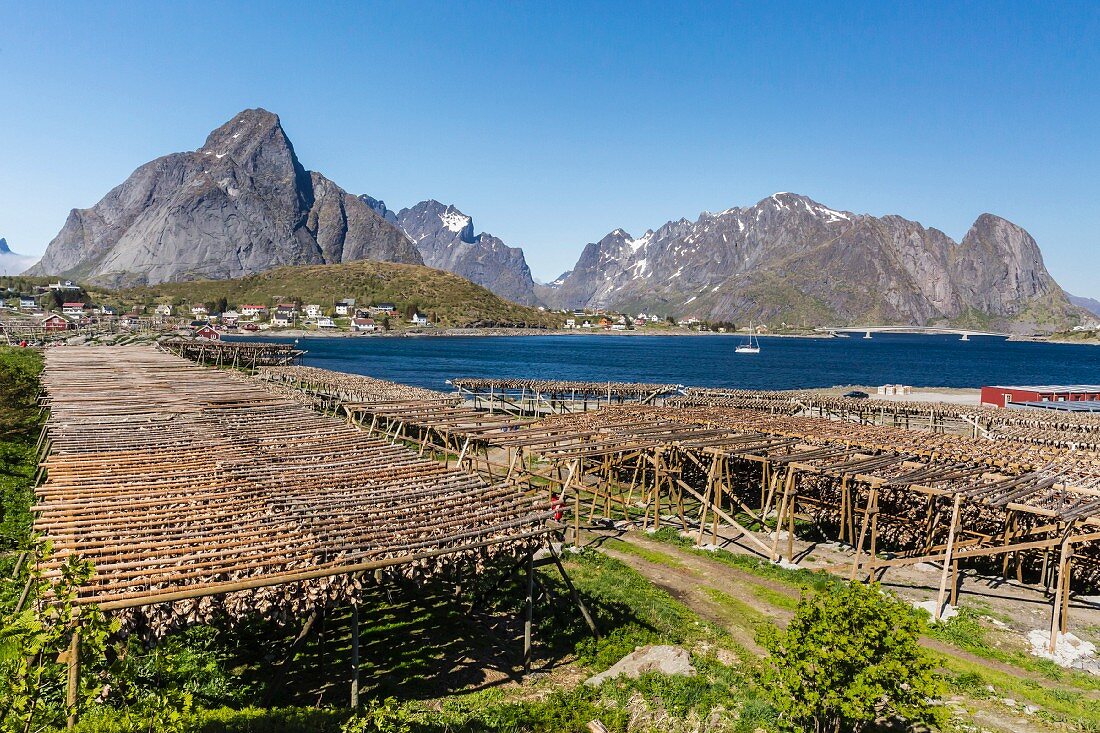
[(752, 346)]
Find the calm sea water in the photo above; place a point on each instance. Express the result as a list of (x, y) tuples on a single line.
[(783, 363)]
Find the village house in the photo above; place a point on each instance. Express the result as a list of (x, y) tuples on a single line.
[(163, 310), (106, 310), (199, 310), (73, 309), (25, 302), (253, 310), (282, 317), (326, 322), (419, 319), (345, 307), (54, 322), (639, 321), (570, 323), (206, 332), (230, 318), (314, 311), (384, 309), (66, 285), (363, 325)]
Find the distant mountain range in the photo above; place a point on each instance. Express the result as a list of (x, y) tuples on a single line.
[(1090, 304), (10, 262), (242, 204), (792, 260)]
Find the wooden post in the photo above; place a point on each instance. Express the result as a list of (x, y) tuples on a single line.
[(575, 595), (1057, 623), (72, 694), (872, 499), (947, 556), (528, 614), (354, 656)]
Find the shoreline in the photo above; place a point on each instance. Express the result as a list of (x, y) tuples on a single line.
[(496, 332)]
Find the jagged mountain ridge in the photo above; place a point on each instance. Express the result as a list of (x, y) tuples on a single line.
[(1092, 305), (240, 204), (10, 262), (446, 240), (791, 259)]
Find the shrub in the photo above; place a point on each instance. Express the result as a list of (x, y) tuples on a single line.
[(850, 655)]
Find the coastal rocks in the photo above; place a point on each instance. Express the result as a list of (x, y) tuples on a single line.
[(665, 659), (240, 204)]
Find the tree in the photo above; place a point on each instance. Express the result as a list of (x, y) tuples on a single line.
[(849, 656)]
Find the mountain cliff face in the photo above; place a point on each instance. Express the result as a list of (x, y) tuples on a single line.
[(240, 204), (790, 259), (446, 240), (10, 262)]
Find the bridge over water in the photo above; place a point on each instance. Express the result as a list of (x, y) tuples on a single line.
[(868, 330)]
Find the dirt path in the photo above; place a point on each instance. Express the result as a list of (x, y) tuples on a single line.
[(687, 576)]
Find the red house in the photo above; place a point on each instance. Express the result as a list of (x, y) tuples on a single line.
[(1001, 396), (55, 322), (207, 332)]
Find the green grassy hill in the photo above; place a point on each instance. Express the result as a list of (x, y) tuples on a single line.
[(448, 300)]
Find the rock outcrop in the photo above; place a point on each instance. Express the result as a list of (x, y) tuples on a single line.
[(240, 204)]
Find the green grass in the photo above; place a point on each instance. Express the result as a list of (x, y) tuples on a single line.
[(735, 610), (775, 598), (798, 578), (966, 632), (446, 299), (19, 427), (1072, 708), (657, 558)]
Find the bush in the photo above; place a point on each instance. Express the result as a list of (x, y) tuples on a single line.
[(850, 655)]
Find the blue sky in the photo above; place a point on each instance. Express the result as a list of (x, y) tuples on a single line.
[(554, 123)]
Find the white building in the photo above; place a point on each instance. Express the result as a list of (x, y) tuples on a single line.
[(253, 310), (314, 311), (163, 310), (419, 319)]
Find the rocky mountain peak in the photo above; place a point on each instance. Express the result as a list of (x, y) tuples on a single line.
[(4, 249), (446, 239), (240, 204)]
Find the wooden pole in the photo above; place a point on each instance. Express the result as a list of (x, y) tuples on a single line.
[(1056, 621), (528, 614), (355, 656), (947, 559), (73, 690)]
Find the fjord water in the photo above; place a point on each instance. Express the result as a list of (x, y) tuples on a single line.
[(783, 363)]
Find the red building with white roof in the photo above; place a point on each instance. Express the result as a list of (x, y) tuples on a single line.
[(1001, 396)]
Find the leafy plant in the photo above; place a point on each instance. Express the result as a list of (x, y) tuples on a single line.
[(850, 655), (34, 641)]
